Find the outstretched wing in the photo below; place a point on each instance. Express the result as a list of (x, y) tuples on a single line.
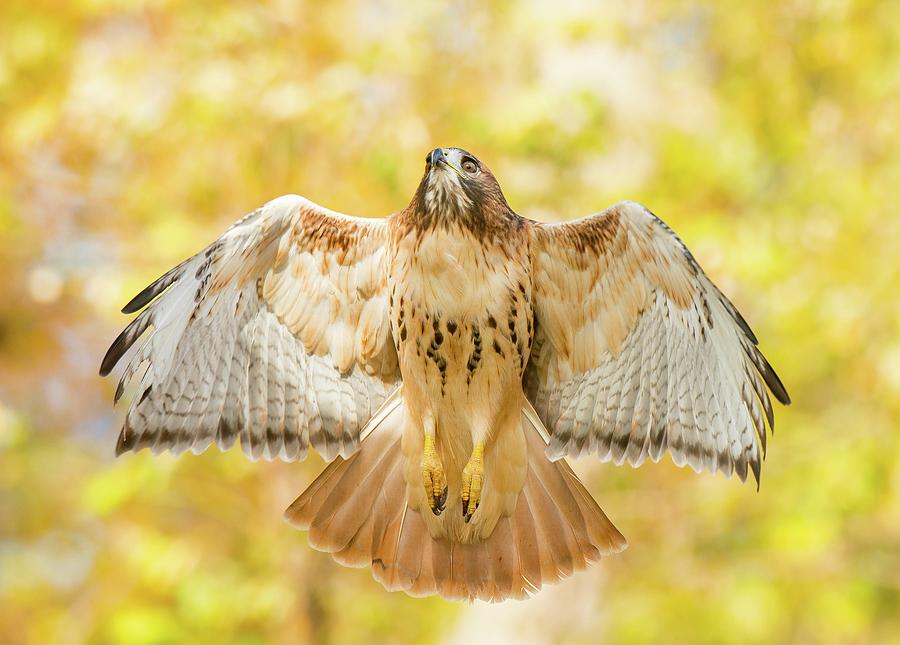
[(637, 352), (278, 332)]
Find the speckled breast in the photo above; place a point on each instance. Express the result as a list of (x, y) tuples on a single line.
[(461, 312)]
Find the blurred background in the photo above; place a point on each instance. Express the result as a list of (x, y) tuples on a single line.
[(132, 132)]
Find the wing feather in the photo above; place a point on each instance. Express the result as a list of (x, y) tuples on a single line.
[(276, 334), (636, 352)]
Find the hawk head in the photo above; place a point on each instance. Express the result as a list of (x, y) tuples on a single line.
[(458, 187)]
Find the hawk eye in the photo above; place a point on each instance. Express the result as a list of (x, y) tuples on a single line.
[(469, 165)]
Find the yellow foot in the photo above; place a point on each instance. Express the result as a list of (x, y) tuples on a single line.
[(472, 481), (433, 477)]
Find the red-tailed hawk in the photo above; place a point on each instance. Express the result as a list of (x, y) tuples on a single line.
[(445, 359)]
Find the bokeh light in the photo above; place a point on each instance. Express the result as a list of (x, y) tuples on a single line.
[(767, 134)]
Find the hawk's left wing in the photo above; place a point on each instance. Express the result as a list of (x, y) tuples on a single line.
[(637, 352), (277, 333)]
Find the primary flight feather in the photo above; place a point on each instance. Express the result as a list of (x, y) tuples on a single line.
[(445, 359)]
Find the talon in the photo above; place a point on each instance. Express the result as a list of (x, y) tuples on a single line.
[(473, 481), (440, 502), (433, 477)]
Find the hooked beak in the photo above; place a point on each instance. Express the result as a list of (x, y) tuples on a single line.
[(437, 157)]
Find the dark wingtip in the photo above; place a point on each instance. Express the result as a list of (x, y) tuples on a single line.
[(118, 348), (782, 393), (738, 318), (744, 325), (124, 341), (774, 383), (770, 417), (111, 358), (140, 301), (124, 444), (154, 289)]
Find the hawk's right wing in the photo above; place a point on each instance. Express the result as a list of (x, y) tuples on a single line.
[(277, 333)]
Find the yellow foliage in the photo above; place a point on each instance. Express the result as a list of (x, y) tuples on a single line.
[(766, 134)]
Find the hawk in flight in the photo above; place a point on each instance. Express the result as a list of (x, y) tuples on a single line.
[(445, 360)]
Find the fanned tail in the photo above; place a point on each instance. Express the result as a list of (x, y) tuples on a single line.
[(357, 511)]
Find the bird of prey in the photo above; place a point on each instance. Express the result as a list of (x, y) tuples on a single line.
[(445, 360)]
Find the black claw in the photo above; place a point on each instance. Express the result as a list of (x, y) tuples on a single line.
[(439, 502), (466, 511), (467, 514)]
